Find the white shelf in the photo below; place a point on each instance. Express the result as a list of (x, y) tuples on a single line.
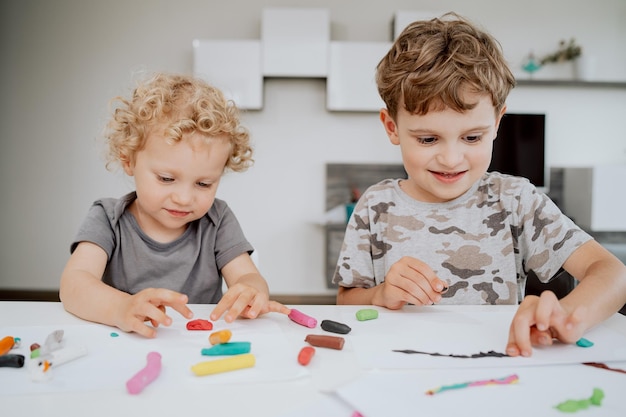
[(233, 66)]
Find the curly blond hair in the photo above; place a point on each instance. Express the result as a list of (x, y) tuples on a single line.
[(182, 105), (433, 63)]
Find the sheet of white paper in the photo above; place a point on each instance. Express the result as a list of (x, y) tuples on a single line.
[(329, 406), (454, 333), (538, 391), (111, 361)]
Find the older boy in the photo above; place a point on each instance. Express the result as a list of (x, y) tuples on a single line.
[(452, 233)]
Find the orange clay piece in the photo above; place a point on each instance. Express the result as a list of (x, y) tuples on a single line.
[(305, 355), (219, 337), (6, 344)]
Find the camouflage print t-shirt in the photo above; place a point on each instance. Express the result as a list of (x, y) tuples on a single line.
[(483, 243)]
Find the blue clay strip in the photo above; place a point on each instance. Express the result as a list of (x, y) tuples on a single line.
[(227, 349)]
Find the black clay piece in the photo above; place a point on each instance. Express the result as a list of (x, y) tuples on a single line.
[(335, 327)]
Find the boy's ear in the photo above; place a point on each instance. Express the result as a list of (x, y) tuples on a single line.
[(127, 165), (498, 119), (390, 126)]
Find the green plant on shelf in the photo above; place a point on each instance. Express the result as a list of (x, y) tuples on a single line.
[(567, 51)]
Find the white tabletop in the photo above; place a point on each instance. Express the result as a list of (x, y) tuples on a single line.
[(293, 390)]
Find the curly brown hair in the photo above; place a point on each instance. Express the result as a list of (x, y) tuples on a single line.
[(433, 63), (180, 104)]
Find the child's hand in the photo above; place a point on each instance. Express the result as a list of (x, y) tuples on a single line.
[(245, 301), (539, 320), (149, 305), (409, 281)]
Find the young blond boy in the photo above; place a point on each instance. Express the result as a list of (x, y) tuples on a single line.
[(169, 242)]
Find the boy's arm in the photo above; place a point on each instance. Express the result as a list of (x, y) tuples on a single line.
[(85, 295), (602, 287), (356, 295), (600, 294), (248, 292)]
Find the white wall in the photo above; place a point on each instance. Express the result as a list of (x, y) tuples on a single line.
[(63, 60)]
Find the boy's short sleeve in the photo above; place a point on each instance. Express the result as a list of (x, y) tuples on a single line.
[(546, 237), (354, 266), (97, 227)]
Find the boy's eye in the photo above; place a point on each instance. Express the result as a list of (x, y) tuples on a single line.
[(473, 138), (427, 140), (204, 185), (165, 179)]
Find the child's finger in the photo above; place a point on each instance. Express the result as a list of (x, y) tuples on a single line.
[(540, 337), (182, 309), (222, 306), (149, 332), (519, 342), (548, 309), (276, 307)]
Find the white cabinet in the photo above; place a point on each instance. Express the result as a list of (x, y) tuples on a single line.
[(350, 85), (295, 42), (233, 66), (595, 197)]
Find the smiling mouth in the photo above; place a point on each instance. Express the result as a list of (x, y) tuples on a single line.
[(177, 213), (448, 175)]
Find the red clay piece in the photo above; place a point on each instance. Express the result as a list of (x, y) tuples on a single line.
[(305, 355), (199, 324)]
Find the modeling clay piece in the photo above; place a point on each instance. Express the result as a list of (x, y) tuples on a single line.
[(199, 324), (604, 366), (305, 355), (571, 406), (302, 318), (53, 342), (582, 342), (10, 360), (232, 363), (221, 336), (331, 342), (335, 327), (511, 379), (6, 344), (40, 371), (65, 355), (148, 374), (491, 353), (227, 349), (366, 314)]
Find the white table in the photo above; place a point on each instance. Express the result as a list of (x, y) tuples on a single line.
[(328, 370)]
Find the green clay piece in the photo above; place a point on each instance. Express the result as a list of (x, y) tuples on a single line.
[(571, 406), (597, 396), (227, 349), (113, 334), (366, 314), (582, 342), (35, 353)]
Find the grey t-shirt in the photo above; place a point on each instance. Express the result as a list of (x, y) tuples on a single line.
[(482, 243), (190, 264)]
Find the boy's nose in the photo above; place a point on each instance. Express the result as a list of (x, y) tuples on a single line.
[(182, 195), (450, 156)]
